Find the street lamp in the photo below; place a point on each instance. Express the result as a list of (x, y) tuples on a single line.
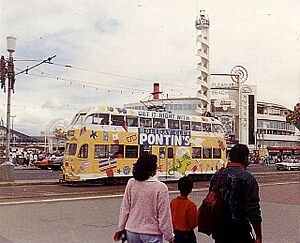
[(11, 47)]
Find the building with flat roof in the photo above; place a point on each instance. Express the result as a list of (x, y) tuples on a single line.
[(273, 132)]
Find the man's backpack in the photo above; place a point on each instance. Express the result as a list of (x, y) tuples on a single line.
[(210, 210)]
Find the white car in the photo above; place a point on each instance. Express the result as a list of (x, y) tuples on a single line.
[(288, 164)]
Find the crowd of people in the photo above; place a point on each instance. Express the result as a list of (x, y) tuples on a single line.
[(147, 215), (28, 157)]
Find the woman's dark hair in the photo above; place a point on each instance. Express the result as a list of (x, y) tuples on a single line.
[(185, 185), (239, 154), (145, 166)]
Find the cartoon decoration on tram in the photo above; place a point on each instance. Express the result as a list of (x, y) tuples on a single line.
[(183, 159), (107, 165), (82, 131), (84, 165), (93, 134)]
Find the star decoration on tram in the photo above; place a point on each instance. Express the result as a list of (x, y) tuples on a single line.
[(93, 134)]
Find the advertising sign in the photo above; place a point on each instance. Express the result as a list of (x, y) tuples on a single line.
[(164, 137)]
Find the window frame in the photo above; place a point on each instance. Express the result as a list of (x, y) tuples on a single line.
[(106, 151), (214, 152), (210, 153), (135, 155), (182, 123), (83, 151), (117, 124), (70, 147), (132, 117), (199, 155), (146, 118)]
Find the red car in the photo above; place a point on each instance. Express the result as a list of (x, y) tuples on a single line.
[(42, 164)]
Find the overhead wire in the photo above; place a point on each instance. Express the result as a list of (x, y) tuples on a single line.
[(116, 75)]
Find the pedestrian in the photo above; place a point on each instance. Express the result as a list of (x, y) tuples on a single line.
[(240, 201), (184, 213), (145, 212)]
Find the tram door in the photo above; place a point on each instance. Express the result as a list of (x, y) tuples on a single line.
[(167, 161)]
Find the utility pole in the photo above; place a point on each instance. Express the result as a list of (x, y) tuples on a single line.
[(11, 46), (7, 169), (12, 129)]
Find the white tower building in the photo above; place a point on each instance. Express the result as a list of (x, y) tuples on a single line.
[(202, 26)]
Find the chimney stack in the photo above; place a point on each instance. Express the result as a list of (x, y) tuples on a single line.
[(156, 91)]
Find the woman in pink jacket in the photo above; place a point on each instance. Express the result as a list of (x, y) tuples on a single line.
[(145, 210)]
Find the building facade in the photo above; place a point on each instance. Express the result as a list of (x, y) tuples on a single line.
[(274, 133)]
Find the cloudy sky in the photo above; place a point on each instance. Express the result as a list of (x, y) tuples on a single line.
[(115, 50)]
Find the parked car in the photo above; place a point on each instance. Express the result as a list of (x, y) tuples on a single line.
[(42, 164), (288, 164), (55, 164)]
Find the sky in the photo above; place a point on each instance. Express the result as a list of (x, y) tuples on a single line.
[(111, 52)]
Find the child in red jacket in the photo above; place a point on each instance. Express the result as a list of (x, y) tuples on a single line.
[(184, 213)]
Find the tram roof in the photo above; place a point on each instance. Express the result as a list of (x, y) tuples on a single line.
[(142, 113)]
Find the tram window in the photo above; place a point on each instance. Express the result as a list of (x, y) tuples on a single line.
[(170, 153), (159, 123), (196, 126), (117, 150), (206, 127), (217, 153), (145, 149), (217, 128), (117, 120), (132, 121), (196, 153), (80, 118), (173, 124), (162, 153), (100, 119), (185, 125), (71, 133), (207, 153), (145, 122), (101, 151), (132, 151), (72, 149), (83, 152)]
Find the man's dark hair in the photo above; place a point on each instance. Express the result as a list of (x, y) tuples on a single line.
[(145, 166), (239, 154), (185, 185)]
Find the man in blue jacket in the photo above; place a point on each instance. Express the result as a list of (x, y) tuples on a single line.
[(240, 201)]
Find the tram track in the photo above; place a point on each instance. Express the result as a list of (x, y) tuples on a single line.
[(58, 191)]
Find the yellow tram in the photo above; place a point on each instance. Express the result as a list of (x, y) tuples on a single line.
[(105, 142)]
